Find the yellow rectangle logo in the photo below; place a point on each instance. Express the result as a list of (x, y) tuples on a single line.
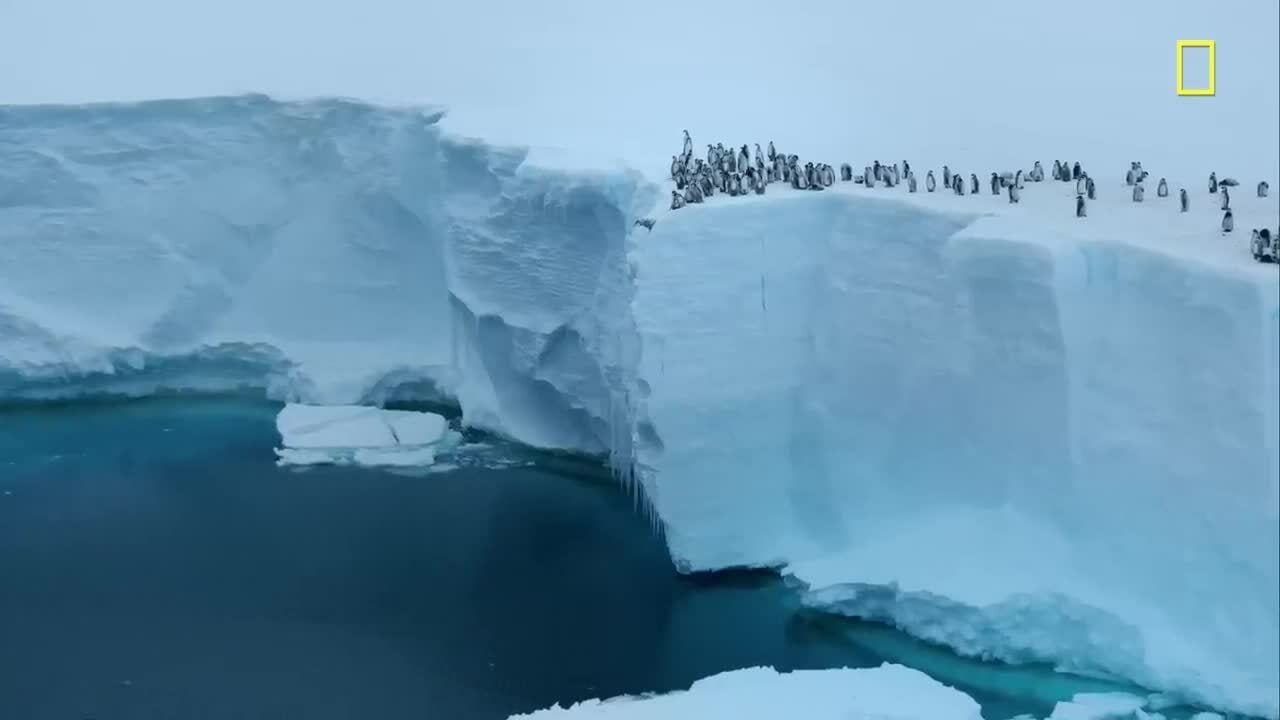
[(1211, 46)]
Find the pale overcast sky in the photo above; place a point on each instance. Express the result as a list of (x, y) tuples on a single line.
[(965, 81)]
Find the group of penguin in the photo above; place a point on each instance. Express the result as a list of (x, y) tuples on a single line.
[(734, 173)]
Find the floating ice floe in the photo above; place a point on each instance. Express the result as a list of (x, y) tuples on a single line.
[(358, 435), (889, 691)]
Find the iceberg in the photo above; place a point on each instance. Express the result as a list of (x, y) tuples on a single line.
[(1016, 433), (356, 435), (889, 691)]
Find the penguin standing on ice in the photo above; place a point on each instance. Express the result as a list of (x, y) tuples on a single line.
[(1076, 172), (1213, 183), (760, 183), (897, 179), (1080, 212), (1080, 183), (677, 202), (906, 168), (1129, 177), (1014, 194), (1182, 199), (946, 177), (772, 153), (1162, 190), (744, 159), (911, 182), (735, 187), (1089, 187), (688, 147), (828, 175), (1226, 199), (995, 184), (846, 172), (1138, 192), (957, 184), (974, 187), (1228, 222), (759, 156), (1017, 179), (779, 169), (868, 177), (675, 166), (929, 183), (1057, 170), (1037, 172), (1263, 187), (877, 169)]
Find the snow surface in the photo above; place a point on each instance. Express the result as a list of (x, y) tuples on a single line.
[(1108, 706), (889, 692), (356, 435), (1017, 433)]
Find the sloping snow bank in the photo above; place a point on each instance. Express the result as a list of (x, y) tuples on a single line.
[(889, 692), (1020, 434), (356, 435)]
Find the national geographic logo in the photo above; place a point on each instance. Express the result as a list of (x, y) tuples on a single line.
[(1196, 67)]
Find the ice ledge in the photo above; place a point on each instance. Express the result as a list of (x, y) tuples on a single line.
[(357, 435)]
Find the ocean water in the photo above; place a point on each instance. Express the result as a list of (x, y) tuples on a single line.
[(155, 563)]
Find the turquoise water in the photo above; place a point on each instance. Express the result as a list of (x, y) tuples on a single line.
[(156, 563)]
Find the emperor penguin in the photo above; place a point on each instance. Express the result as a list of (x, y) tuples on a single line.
[(737, 185), (759, 156), (929, 183), (688, 145), (995, 184), (1076, 172), (1228, 222), (946, 177), (1263, 187), (897, 179), (878, 170), (1057, 170), (1017, 179), (711, 154), (732, 158), (1089, 188), (1213, 183), (829, 175), (1080, 211), (957, 184), (1162, 190), (1138, 192), (708, 187), (1080, 185), (779, 168), (772, 153), (744, 159), (846, 172), (697, 192), (689, 194), (1130, 178), (1014, 194), (911, 182), (760, 183), (675, 166), (868, 178), (974, 187), (677, 202), (1037, 172), (906, 168), (680, 180), (1226, 199), (1182, 199)]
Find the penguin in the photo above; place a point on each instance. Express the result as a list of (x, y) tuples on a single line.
[(878, 170), (1129, 177), (759, 156), (1182, 199), (946, 177), (1057, 170), (1271, 250), (1037, 172), (1143, 175), (1138, 192), (646, 223), (675, 166), (732, 159), (1017, 179), (1080, 211), (1014, 194), (1263, 187), (688, 145), (995, 184), (1076, 172), (1226, 199), (708, 187), (1255, 246), (737, 185), (1162, 190), (779, 168), (744, 159), (906, 168), (1090, 188), (897, 179), (808, 174), (688, 194), (1228, 222), (829, 175), (711, 154), (846, 172), (1080, 185), (911, 182), (772, 153), (929, 183), (760, 184), (697, 192), (868, 178), (973, 183), (677, 202), (680, 181), (1213, 183), (957, 184)]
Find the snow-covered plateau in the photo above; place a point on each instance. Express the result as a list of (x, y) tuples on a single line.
[(1017, 433)]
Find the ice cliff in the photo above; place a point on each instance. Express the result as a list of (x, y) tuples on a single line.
[(1009, 431)]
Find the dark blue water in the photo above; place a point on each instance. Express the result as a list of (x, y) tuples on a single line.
[(155, 563)]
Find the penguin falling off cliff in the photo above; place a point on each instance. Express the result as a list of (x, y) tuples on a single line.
[(929, 183), (1183, 202), (1080, 210), (1162, 190)]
